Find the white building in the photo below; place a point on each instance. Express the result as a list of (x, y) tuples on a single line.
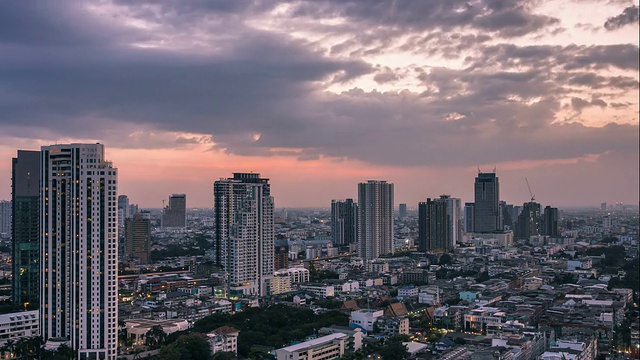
[(244, 243), (280, 283), (18, 325), (429, 295), (224, 339), (323, 348), (295, 274), (79, 249), (320, 290), (375, 219), (366, 318), (407, 291)]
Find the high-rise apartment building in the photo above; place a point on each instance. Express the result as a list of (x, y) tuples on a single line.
[(344, 222), (174, 215), (487, 217), (402, 211), (281, 254), (434, 226), (528, 221), (5, 218), (550, 221), (25, 228), (79, 239), (244, 243), (454, 211), (123, 210), (137, 233), (468, 217), (375, 219)]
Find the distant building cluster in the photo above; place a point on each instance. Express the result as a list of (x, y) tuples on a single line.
[(475, 280)]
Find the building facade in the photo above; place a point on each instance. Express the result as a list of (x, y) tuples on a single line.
[(550, 222), (528, 224), (18, 325), (375, 219), (174, 215), (434, 226), (344, 220), (5, 217), (79, 287), (25, 228), (486, 210), (244, 243), (137, 233)]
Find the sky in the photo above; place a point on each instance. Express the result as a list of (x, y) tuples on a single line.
[(319, 95)]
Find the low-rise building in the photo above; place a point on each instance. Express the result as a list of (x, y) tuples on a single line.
[(323, 348), (18, 325), (224, 339), (392, 325), (366, 318)]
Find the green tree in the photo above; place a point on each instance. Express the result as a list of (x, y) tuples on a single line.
[(187, 347), (394, 349), (445, 259), (225, 355)]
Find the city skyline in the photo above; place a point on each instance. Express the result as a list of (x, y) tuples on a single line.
[(329, 94)]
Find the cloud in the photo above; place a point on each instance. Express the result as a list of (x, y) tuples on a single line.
[(167, 74), (630, 15)]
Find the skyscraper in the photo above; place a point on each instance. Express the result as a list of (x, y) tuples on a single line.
[(434, 226), (79, 287), (244, 243), (402, 211), (528, 221), (174, 215), (550, 221), (344, 220), (375, 219), (5, 217), (123, 210), (487, 217), (454, 211), (137, 233), (468, 217), (25, 228)]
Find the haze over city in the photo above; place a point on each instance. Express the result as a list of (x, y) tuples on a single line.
[(321, 95)]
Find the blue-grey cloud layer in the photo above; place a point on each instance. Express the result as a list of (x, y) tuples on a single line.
[(75, 73)]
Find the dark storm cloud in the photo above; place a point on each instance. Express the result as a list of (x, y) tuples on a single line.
[(251, 91), (629, 16)]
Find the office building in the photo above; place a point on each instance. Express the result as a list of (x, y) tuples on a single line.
[(79, 239), (486, 211), (25, 228), (244, 243), (550, 222), (5, 218), (434, 226), (528, 221), (402, 211), (137, 233), (375, 219), (603, 207), (123, 210), (344, 220), (468, 217), (174, 215)]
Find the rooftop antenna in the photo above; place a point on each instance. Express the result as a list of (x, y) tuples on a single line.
[(479, 171), (530, 193)]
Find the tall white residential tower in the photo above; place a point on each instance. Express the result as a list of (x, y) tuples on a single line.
[(244, 243), (79, 232), (375, 219)]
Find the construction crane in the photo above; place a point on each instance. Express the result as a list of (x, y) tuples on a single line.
[(529, 187)]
